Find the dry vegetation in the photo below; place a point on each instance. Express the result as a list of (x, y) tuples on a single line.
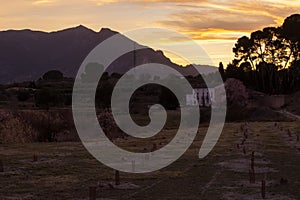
[(66, 170), (23, 126)]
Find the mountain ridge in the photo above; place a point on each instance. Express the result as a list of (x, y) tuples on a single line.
[(25, 55)]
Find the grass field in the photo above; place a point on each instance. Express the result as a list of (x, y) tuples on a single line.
[(66, 170)]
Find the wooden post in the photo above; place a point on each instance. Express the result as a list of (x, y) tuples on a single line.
[(252, 160), (263, 189), (298, 139), (133, 166), (93, 193), (1, 166), (244, 150), (283, 181), (242, 127), (252, 167), (289, 133), (237, 146), (35, 158), (243, 142), (251, 176), (117, 177), (154, 147)]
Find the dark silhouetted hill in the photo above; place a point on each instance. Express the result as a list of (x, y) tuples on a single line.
[(27, 55)]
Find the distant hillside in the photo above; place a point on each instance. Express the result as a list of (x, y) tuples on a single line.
[(26, 55)]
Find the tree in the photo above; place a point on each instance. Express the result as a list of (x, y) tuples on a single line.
[(92, 72), (290, 31), (203, 99), (23, 95), (53, 75), (168, 99), (104, 93), (291, 27), (265, 61), (232, 69), (266, 46), (242, 51), (221, 70), (47, 98)]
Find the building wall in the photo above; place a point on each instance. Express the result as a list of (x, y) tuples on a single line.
[(201, 97)]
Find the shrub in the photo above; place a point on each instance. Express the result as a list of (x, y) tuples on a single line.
[(46, 98), (53, 75), (35, 126), (23, 95), (237, 94), (14, 129)]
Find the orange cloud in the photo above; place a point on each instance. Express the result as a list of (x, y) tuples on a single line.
[(41, 2), (234, 15), (228, 20)]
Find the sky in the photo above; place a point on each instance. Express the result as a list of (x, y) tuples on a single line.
[(214, 24)]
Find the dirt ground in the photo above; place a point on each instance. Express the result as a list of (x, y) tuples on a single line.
[(66, 170)]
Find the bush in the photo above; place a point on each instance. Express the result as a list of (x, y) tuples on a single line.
[(14, 129), (35, 126), (237, 94), (47, 98), (23, 95), (53, 75)]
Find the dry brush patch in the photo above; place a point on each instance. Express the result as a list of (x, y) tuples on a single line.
[(25, 126), (71, 170)]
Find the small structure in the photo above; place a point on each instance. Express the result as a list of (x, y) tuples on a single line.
[(201, 96)]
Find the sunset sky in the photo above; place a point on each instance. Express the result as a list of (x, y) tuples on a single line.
[(214, 24)]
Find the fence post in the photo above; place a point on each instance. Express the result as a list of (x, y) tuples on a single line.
[(133, 166), (1, 166), (289, 133), (35, 158), (252, 160), (243, 142), (117, 177), (263, 189), (154, 147), (92, 191), (250, 176)]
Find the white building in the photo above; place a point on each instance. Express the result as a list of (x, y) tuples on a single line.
[(201, 96)]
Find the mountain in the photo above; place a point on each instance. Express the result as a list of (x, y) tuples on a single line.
[(27, 55)]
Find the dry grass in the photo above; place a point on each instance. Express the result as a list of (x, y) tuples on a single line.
[(25, 126), (66, 170)]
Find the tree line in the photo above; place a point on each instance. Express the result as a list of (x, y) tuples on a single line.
[(269, 60)]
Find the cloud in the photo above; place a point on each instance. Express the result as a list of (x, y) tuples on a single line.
[(41, 2), (229, 20), (235, 16), (103, 2), (216, 21)]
